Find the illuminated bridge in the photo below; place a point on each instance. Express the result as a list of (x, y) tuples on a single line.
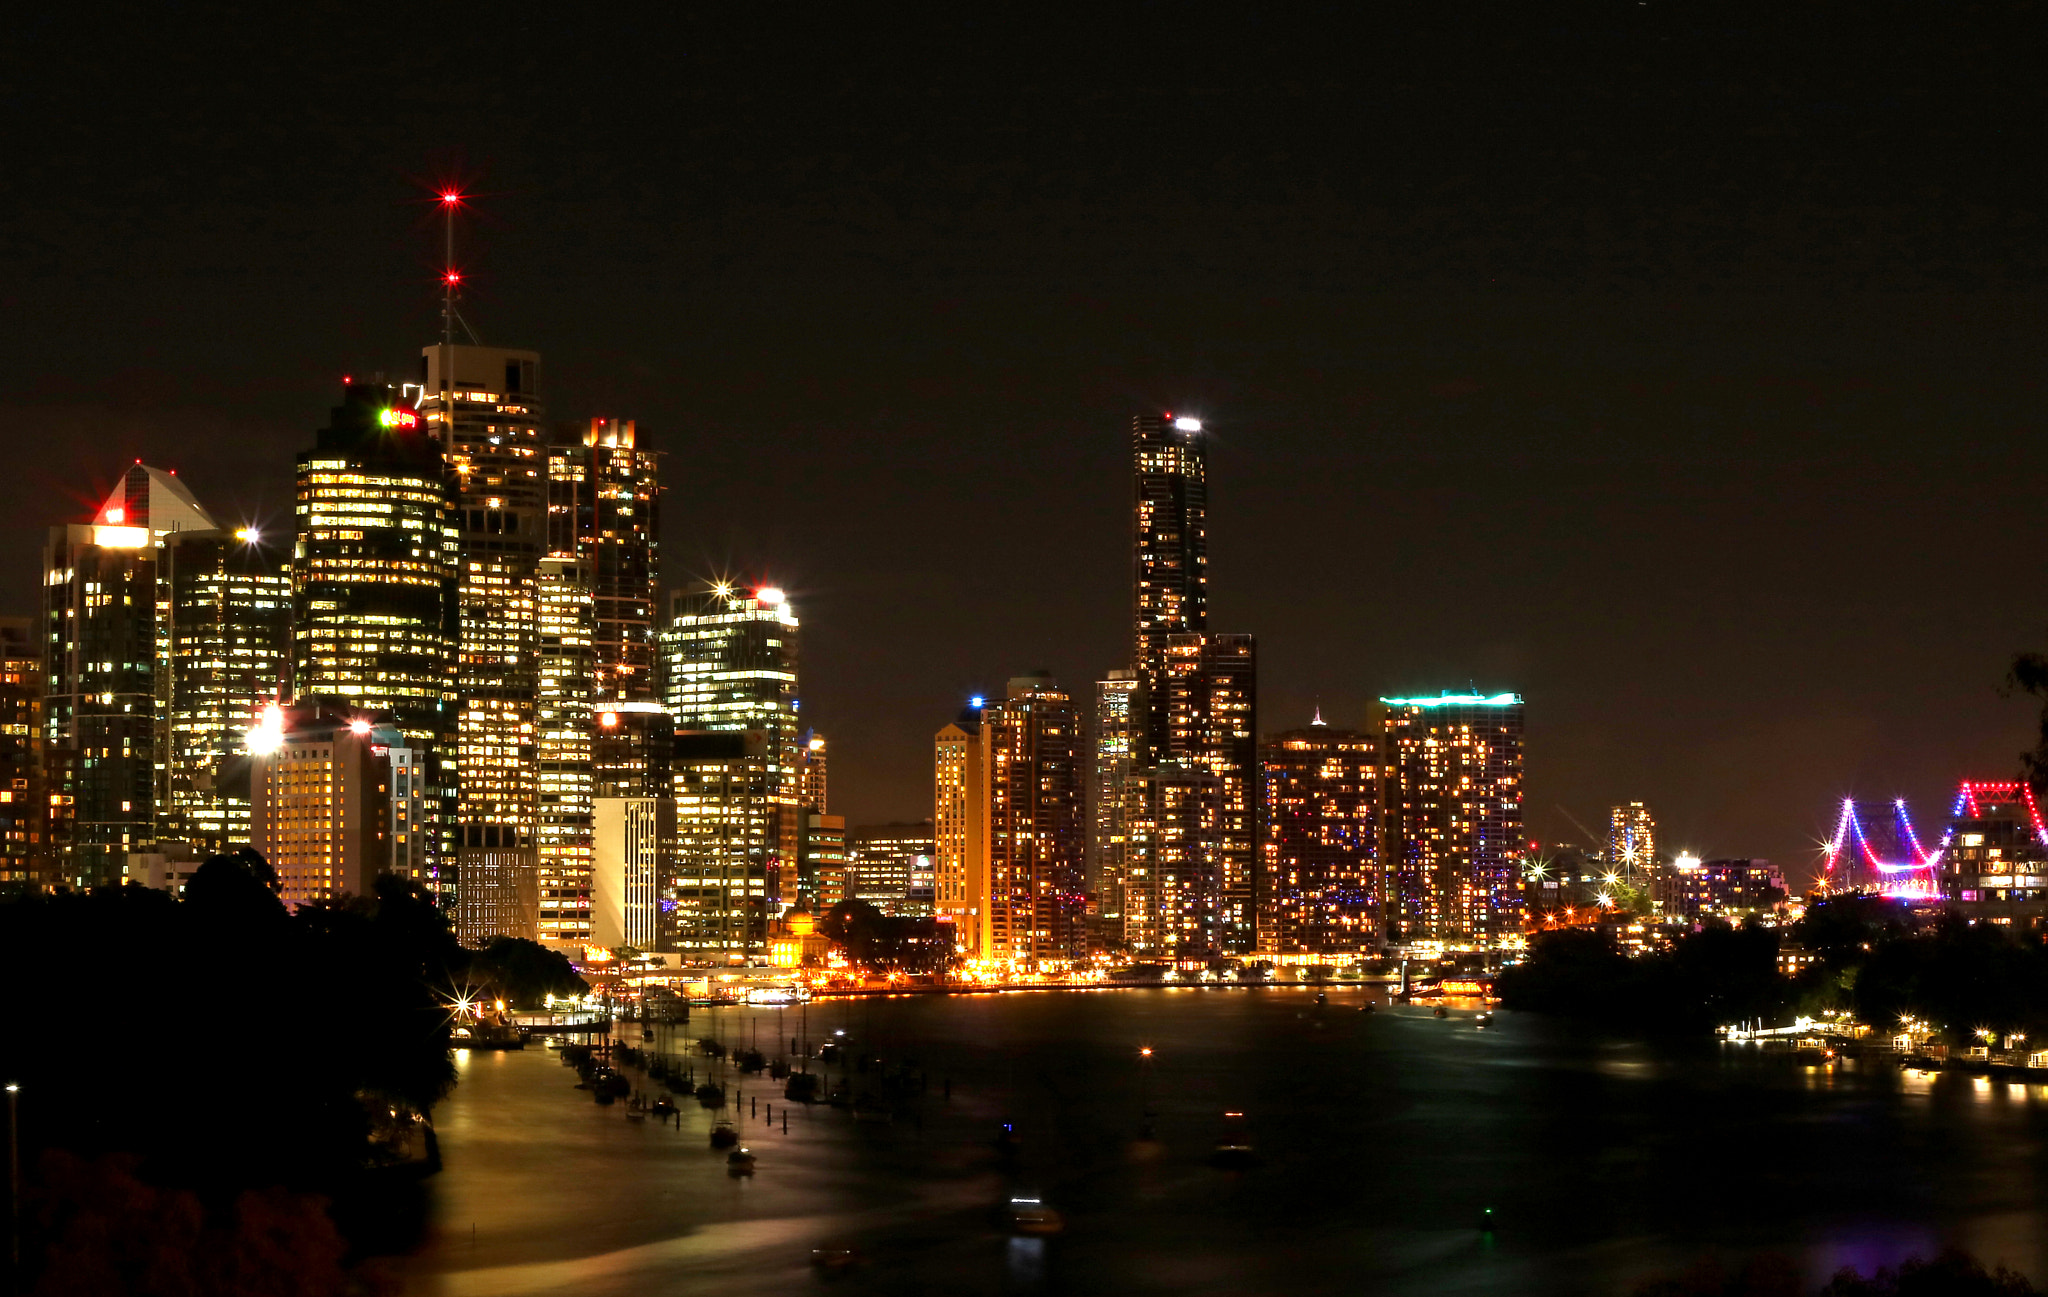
[(1994, 830)]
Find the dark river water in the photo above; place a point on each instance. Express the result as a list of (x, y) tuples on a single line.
[(1383, 1137)]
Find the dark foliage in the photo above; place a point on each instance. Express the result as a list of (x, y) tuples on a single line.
[(1958, 976), (2029, 674), (1952, 1274), (1843, 929), (96, 1228), (222, 1042), (1716, 975), (524, 973), (882, 943)]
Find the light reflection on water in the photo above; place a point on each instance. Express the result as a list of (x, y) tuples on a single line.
[(1384, 1137)]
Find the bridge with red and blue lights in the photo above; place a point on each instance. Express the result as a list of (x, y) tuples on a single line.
[(1875, 847)]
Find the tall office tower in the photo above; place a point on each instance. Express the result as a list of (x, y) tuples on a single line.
[(1211, 688), (728, 851), (224, 614), (1170, 529), (24, 802), (99, 664), (810, 771), (727, 661), (604, 509), (1318, 897), (374, 596), (1036, 911), (483, 405), (1453, 818), (892, 866), (1172, 874), (1116, 717), (633, 840), (319, 792), (563, 725), (823, 862), (960, 828), (1632, 844)]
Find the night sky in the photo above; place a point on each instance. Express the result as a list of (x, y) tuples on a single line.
[(1674, 365)]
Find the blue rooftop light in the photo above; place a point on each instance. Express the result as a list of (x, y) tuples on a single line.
[(1457, 700)]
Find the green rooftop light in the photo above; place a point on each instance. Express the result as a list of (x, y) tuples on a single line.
[(1457, 700)]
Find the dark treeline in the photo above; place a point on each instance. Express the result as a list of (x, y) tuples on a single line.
[(1951, 1274), (886, 943), (196, 1073), (1875, 959)]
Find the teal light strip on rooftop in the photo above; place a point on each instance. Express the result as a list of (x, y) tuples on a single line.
[(1457, 700)]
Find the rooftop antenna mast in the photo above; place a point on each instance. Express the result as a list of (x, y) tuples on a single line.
[(451, 278)]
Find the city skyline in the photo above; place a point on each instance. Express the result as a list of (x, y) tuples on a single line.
[(1517, 406)]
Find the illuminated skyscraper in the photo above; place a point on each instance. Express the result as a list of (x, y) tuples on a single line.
[(811, 783), (1170, 531), (1172, 875), (1453, 817), (604, 509), (1211, 694), (319, 793), (1319, 884), (224, 641), (100, 651), (1632, 844), (892, 866), (728, 662), (483, 405), (960, 828), (24, 800), (374, 574), (563, 726), (1036, 908), (1117, 716), (728, 857)]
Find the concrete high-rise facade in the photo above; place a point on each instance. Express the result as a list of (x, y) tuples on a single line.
[(1454, 839), (1036, 903), (483, 406), (224, 652), (319, 790), (960, 828), (1173, 874), (375, 612), (633, 841), (1320, 870)]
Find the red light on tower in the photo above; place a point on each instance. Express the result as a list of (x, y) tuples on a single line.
[(450, 197), (452, 277)]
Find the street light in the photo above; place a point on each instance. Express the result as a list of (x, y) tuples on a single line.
[(13, 1186)]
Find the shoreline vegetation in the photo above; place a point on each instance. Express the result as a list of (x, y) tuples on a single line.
[(219, 1095), (1874, 962)]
